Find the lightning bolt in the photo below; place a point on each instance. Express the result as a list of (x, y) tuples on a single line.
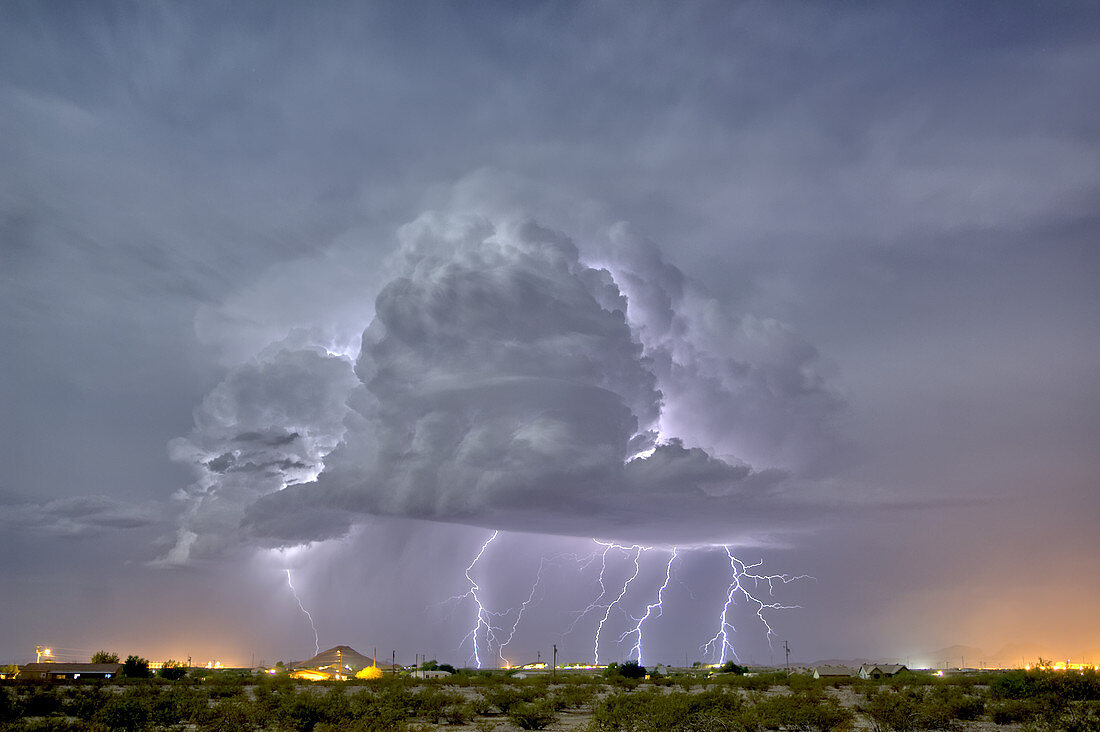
[(656, 605), (481, 618), (522, 608), (740, 574), (316, 639), (637, 549), (580, 614)]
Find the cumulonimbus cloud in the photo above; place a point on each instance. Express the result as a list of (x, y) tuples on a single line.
[(505, 382)]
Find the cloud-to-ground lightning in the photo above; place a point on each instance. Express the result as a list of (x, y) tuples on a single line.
[(720, 644), (580, 614), (495, 630), (316, 638), (522, 608), (481, 619), (637, 549), (636, 651)]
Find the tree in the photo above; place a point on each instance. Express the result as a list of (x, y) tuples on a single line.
[(105, 657), (729, 667), (135, 668), (172, 670), (628, 670)]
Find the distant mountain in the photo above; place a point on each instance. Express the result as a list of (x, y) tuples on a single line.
[(1025, 653)]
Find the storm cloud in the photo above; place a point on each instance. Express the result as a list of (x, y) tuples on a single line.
[(503, 382)]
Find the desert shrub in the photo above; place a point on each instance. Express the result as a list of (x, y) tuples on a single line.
[(458, 713), (761, 682), (893, 710), (1073, 686), (946, 703), (713, 709), (56, 724), (1014, 685), (803, 711), (223, 685), (42, 702), (685, 682), (532, 715), (942, 707), (384, 711), (717, 703), (1013, 711), (622, 713), (124, 711), (480, 706), (361, 725), (172, 671), (504, 697), (431, 702), (11, 708), (305, 710), (1083, 716), (229, 714), (803, 682), (574, 696), (84, 702)]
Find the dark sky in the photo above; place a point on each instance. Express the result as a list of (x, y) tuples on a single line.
[(344, 288)]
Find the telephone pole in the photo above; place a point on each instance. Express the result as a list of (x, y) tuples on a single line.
[(554, 670), (787, 649)]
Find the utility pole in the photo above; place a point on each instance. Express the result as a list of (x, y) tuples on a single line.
[(393, 662), (554, 671), (787, 649)]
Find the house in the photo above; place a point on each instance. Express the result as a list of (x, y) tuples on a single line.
[(880, 670), (833, 672), (70, 671)]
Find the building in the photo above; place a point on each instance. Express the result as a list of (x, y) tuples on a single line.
[(880, 670), (71, 671), (833, 672)]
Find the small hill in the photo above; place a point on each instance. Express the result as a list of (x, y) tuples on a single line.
[(337, 657)]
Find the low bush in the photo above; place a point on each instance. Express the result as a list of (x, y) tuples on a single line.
[(803, 711), (124, 712), (1013, 711), (532, 715)]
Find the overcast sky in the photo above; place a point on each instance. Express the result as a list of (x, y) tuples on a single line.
[(342, 289)]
